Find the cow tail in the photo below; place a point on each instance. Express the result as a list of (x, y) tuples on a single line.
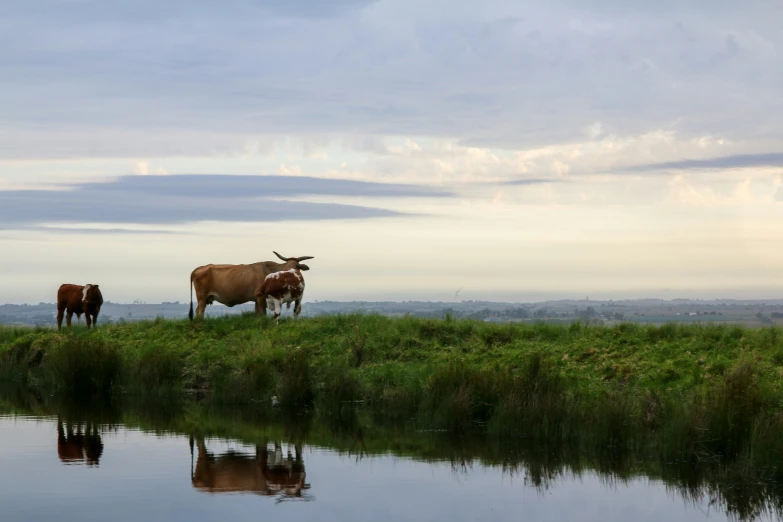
[(190, 314)]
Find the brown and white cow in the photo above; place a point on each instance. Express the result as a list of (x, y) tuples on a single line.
[(233, 285), (77, 299), (283, 287)]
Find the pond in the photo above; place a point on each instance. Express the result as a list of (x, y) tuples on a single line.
[(73, 467)]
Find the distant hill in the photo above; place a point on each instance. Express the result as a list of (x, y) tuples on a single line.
[(654, 311)]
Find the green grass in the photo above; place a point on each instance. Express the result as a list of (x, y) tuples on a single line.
[(705, 390), (670, 359)]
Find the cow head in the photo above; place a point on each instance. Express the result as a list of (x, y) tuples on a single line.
[(92, 294), (294, 262)]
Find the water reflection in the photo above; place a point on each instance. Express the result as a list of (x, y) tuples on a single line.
[(78, 442), (267, 473), (271, 461)]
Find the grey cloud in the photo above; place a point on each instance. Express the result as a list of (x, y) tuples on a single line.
[(99, 231), (522, 182), (738, 161), (232, 186), (135, 11), (492, 73), (187, 199)]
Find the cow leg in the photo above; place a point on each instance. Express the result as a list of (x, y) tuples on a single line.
[(278, 310), (202, 306), (298, 307), (261, 305), (88, 320), (68, 318), (60, 314), (95, 319), (278, 454)]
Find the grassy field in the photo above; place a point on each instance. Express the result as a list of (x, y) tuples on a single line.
[(712, 390)]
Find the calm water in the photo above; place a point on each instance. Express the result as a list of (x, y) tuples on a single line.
[(121, 473)]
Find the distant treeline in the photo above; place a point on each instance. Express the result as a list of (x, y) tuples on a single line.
[(648, 311)]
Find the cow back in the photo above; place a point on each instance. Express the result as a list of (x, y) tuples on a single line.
[(70, 297), (280, 283)]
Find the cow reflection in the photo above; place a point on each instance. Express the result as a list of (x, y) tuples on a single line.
[(81, 446), (266, 473)]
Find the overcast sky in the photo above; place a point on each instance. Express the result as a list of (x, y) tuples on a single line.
[(516, 150)]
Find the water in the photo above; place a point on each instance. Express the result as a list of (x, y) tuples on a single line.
[(117, 472)]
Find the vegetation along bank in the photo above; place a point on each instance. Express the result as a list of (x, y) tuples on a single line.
[(700, 390)]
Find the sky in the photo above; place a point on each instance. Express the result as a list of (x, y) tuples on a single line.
[(432, 150)]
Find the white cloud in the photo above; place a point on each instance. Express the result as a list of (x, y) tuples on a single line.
[(142, 168), (293, 170), (754, 188)]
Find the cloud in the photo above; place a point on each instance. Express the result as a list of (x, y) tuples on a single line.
[(159, 199), (142, 168), (522, 182), (232, 186), (91, 11), (96, 230), (144, 78), (737, 161)]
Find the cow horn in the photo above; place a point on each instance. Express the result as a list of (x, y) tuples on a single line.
[(304, 258), (281, 257)]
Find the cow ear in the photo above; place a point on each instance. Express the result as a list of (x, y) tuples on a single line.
[(303, 266), (95, 286)]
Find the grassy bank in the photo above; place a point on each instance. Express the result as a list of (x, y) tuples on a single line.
[(678, 389)]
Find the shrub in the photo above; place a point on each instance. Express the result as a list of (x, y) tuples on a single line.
[(159, 367), (83, 365), (296, 387)]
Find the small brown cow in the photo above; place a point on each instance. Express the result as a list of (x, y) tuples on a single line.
[(281, 287), (77, 299)]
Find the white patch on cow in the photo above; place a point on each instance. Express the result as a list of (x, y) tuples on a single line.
[(275, 275), (84, 292), (270, 302)]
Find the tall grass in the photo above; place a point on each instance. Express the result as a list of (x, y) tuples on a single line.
[(296, 383), (83, 365), (711, 391)]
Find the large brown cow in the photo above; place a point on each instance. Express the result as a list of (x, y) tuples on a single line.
[(78, 447), (232, 285), (267, 473), (77, 299), (283, 287)]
